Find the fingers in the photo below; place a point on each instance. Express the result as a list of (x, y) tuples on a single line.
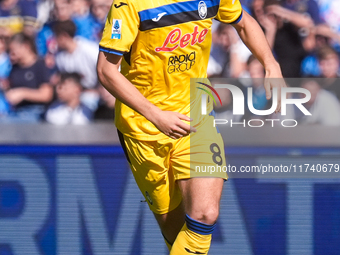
[(180, 128), (186, 118), (183, 117), (175, 136), (267, 87), (278, 84), (177, 133), (192, 129), (189, 129), (278, 107)]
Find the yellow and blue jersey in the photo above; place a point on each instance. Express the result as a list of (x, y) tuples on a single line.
[(164, 44)]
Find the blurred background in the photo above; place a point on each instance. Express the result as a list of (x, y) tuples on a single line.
[(48, 53), (65, 186)]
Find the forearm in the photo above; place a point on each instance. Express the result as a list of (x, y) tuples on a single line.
[(42, 95), (326, 31), (298, 19), (122, 89), (254, 38)]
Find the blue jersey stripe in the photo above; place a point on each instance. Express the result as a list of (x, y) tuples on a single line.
[(112, 51), (175, 8), (238, 19)]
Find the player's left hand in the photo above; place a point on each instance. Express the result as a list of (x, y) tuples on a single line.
[(274, 79)]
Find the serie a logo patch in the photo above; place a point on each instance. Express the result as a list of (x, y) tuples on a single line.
[(116, 29)]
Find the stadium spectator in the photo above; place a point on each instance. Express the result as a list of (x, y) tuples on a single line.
[(68, 109), (5, 68), (256, 73), (224, 110), (323, 105), (291, 42), (326, 17), (254, 78), (310, 64), (309, 7), (288, 33), (5, 63), (4, 106), (329, 65), (326, 30), (46, 42), (330, 13), (239, 54), (228, 55), (78, 55), (87, 25), (219, 55), (329, 62), (269, 25), (293, 38), (106, 106), (29, 89), (100, 9), (17, 16)]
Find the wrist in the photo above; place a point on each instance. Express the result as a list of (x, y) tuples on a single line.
[(273, 70), (271, 66), (152, 113)]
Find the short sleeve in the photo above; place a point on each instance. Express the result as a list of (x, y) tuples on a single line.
[(121, 28), (230, 11)]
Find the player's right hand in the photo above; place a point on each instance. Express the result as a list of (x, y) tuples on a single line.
[(172, 124)]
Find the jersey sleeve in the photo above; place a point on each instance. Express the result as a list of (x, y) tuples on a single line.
[(121, 28), (230, 11)]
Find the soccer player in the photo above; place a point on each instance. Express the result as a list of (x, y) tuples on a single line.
[(160, 46)]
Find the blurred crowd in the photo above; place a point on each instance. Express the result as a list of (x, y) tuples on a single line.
[(304, 36), (49, 50), (48, 56)]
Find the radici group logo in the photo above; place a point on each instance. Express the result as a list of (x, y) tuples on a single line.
[(239, 105)]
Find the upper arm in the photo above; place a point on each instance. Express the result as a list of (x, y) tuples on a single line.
[(121, 28), (245, 19), (108, 63), (230, 11)]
